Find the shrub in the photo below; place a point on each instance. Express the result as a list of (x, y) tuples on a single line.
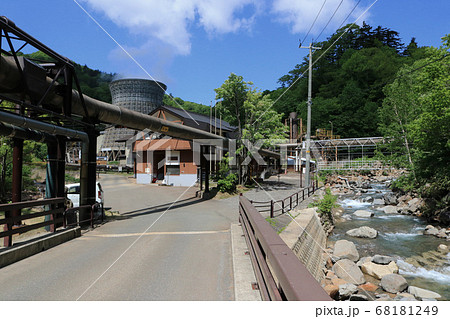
[(227, 184)]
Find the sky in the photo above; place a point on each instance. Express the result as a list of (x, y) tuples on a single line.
[(193, 45)]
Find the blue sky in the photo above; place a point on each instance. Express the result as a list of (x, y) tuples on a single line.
[(193, 45)]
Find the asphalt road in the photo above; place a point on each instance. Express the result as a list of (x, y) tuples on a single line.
[(167, 245)]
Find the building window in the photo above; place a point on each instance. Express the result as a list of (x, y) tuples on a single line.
[(173, 170), (172, 157), (172, 162)]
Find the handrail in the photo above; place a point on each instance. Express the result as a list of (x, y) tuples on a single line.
[(280, 274), (58, 216), (269, 206)]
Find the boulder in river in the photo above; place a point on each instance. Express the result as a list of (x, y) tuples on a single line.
[(423, 293), (390, 199), (393, 283), (442, 248), (382, 260), (390, 209), (431, 230), (414, 205), (378, 201), (379, 271), (363, 213), (347, 270), (344, 249), (363, 232)]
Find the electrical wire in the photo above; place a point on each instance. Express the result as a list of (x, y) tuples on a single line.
[(340, 3), (320, 57), (312, 25), (348, 15)]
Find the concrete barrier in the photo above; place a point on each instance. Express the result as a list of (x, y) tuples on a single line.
[(307, 239), (35, 246)]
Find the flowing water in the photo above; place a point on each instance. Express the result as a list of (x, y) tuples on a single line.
[(399, 236)]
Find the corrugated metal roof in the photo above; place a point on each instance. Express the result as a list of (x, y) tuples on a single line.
[(162, 144)]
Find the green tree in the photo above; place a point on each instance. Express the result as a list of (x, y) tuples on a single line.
[(416, 118), (251, 112), (348, 79)]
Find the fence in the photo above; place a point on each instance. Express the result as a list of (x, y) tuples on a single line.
[(280, 274), (58, 216), (284, 205), (358, 164)]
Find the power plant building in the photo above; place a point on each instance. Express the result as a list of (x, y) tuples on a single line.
[(139, 95)]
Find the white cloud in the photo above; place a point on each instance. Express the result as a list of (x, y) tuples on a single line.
[(169, 21), (300, 14)]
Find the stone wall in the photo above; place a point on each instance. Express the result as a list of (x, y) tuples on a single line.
[(307, 239)]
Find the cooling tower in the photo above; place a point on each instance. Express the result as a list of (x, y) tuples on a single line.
[(137, 94)]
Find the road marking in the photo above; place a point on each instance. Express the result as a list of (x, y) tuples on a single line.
[(161, 233)]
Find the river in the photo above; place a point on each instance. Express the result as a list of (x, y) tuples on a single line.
[(399, 236)]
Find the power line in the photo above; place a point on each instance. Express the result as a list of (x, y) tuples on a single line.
[(340, 3), (312, 25), (318, 59), (349, 14)]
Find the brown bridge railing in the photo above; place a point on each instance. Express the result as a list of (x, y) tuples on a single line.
[(284, 205), (280, 274), (58, 216)]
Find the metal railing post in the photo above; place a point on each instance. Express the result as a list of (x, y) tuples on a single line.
[(271, 208)]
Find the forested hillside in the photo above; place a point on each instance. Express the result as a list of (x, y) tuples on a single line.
[(348, 79), (94, 83)]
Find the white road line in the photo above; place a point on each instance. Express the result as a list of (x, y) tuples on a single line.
[(161, 233)]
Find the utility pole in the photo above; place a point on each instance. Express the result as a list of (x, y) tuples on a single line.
[(308, 124)]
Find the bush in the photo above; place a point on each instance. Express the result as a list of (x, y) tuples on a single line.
[(227, 184), (325, 205)]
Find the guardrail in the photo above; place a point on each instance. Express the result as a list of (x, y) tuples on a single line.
[(280, 274), (58, 216), (286, 204)]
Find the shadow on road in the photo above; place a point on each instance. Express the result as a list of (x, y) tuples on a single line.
[(163, 207)]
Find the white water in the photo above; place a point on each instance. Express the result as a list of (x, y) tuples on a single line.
[(354, 203), (440, 275), (402, 236)]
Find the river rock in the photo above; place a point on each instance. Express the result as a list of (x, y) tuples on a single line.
[(363, 260), (390, 209), (393, 283), (442, 233), (414, 205), (368, 199), (346, 290), (332, 291), (379, 271), (363, 213), (344, 249), (378, 201), (390, 199), (431, 230), (338, 281), (423, 293), (363, 232), (442, 248), (382, 260), (358, 297), (368, 286), (347, 270)]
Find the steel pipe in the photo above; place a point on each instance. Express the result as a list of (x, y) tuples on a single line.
[(10, 85)]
